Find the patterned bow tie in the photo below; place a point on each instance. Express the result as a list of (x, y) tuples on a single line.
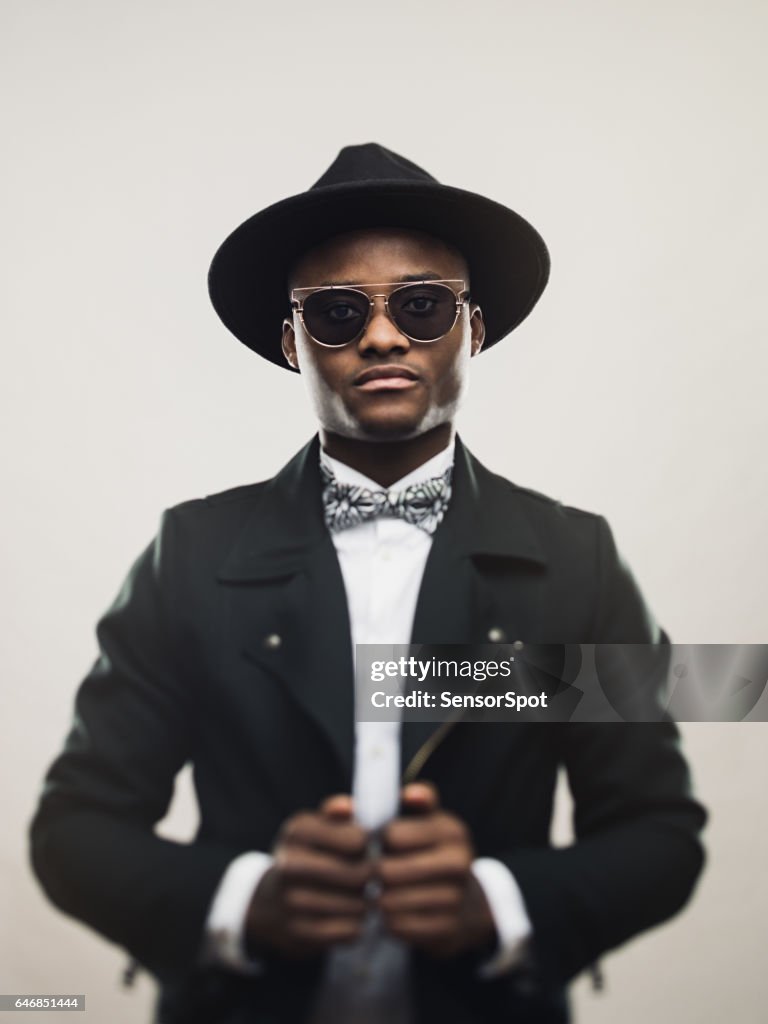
[(422, 505)]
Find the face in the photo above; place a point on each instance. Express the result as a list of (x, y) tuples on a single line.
[(426, 381)]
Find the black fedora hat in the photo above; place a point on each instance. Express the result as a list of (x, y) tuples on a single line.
[(369, 186)]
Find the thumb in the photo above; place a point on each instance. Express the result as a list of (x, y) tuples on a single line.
[(419, 798), (339, 807)]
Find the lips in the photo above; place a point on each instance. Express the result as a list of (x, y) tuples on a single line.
[(386, 378)]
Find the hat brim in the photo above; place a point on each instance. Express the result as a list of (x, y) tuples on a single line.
[(508, 260)]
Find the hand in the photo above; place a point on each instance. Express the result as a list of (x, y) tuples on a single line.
[(429, 896), (312, 896)]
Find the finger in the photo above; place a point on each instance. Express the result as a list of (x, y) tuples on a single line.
[(304, 901), (311, 829), (404, 834), (419, 798), (444, 863), (299, 865), (339, 806), (322, 931), (426, 899), (422, 929)]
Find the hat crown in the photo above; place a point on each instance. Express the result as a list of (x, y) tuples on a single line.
[(370, 162)]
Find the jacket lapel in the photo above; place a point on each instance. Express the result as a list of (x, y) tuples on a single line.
[(286, 566), (482, 574)]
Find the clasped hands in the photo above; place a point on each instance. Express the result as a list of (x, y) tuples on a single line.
[(318, 889)]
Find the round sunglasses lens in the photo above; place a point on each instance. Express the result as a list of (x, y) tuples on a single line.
[(334, 316), (425, 312)]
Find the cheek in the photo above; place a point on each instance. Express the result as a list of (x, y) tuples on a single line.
[(320, 370), (454, 372)]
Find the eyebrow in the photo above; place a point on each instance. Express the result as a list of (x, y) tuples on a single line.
[(427, 275)]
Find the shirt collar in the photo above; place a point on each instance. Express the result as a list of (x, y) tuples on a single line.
[(432, 467)]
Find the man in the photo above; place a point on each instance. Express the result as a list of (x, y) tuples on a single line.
[(364, 871)]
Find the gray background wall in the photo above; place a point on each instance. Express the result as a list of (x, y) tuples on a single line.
[(136, 135)]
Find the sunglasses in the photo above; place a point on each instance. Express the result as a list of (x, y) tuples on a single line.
[(337, 315)]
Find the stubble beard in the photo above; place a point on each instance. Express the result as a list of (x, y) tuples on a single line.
[(339, 420)]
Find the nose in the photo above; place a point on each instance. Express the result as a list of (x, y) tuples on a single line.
[(381, 335)]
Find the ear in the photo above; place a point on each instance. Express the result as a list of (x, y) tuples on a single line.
[(289, 344), (477, 325)]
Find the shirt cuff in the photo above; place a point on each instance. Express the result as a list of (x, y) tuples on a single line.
[(513, 926), (224, 942)]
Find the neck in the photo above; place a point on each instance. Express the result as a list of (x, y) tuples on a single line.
[(387, 461)]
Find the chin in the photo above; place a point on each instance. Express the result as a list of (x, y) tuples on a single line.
[(390, 430), (374, 424), (401, 422), (403, 428), (380, 425)]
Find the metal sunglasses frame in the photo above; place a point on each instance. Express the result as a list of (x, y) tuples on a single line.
[(297, 304)]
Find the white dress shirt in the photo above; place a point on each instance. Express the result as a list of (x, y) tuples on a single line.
[(382, 563)]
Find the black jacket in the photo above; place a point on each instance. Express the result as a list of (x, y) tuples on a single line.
[(187, 673)]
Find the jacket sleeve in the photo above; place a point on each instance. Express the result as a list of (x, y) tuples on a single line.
[(92, 839), (637, 853)]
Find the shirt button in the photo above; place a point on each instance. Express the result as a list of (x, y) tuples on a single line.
[(272, 641), (496, 635), (377, 751), (385, 554)]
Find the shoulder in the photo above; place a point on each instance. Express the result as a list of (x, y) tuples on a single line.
[(234, 503), (551, 520), (199, 531), (224, 502), (223, 507), (574, 548), (549, 509)]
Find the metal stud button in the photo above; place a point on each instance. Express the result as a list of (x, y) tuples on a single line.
[(496, 635), (272, 641), (518, 645)]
